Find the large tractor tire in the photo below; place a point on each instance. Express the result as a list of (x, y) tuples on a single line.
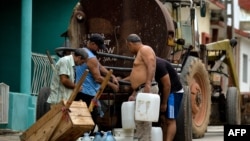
[(184, 119), (195, 75), (42, 106), (233, 111)]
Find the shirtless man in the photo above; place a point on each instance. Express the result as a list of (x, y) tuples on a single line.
[(142, 78)]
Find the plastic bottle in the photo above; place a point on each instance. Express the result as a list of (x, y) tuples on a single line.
[(104, 136), (98, 137), (86, 137), (110, 137)]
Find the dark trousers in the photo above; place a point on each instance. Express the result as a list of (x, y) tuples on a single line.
[(84, 97)]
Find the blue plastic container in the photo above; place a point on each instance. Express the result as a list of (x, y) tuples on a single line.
[(98, 137), (109, 137)]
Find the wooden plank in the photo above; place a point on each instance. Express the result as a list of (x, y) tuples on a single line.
[(40, 123), (79, 121), (76, 104), (99, 92), (76, 89), (68, 103), (41, 128), (73, 125), (52, 123)]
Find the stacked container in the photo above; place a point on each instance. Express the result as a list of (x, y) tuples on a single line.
[(145, 108)]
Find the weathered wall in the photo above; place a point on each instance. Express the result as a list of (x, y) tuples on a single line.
[(50, 19)]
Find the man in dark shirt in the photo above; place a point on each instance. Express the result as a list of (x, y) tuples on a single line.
[(170, 90)]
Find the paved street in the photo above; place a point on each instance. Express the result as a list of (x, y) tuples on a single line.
[(214, 133), (6, 135)]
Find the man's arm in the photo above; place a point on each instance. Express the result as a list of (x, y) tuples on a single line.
[(66, 81), (126, 78), (104, 71), (149, 59), (165, 80), (61, 69), (94, 68)]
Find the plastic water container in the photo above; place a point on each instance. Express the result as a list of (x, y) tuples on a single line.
[(104, 136), (98, 136), (110, 137), (147, 107), (86, 137), (124, 138), (156, 134), (128, 115), (121, 134)]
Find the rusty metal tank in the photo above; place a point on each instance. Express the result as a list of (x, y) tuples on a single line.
[(115, 20)]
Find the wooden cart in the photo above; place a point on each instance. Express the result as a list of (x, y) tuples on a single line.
[(66, 121)]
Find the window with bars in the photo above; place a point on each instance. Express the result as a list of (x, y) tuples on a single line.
[(245, 68), (4, 102), (42, 72)]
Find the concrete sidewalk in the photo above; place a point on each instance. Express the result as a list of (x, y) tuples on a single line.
[(214, 133), (8, 135)]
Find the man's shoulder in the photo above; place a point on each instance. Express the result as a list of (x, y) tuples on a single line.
[(93, 60), (161, 60), (65, 58), (146, 50), (90, 53), (147, 47)]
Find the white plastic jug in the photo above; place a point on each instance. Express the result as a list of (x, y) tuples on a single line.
[(128, 115), (124, 138), (120, 132), (156, 134), (147, 107)]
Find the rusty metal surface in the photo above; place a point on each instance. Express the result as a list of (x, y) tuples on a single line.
[(116, 19)]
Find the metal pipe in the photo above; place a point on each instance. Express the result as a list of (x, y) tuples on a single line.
[(118, 68), (116, 56)]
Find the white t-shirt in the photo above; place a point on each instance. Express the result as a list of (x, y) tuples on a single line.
[(59, 92)]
